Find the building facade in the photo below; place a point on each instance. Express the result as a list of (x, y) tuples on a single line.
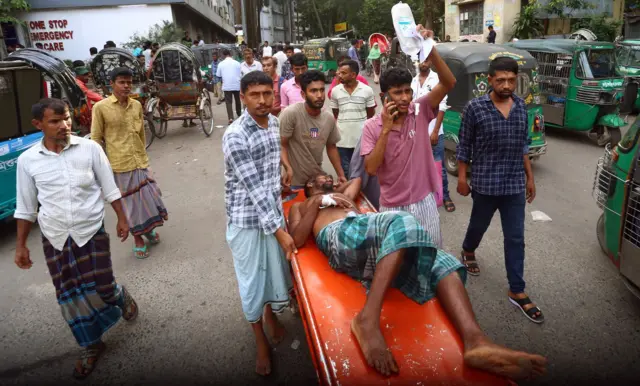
[(470, 19), (68, 28)]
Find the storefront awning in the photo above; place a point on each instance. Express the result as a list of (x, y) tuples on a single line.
[(463, 2)]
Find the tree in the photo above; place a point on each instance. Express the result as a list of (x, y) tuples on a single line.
[(527, 24), (602, 26), (8, 8), (375, 15), (564, 9), (167, 32)]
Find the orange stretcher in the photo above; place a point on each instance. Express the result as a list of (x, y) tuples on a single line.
[(424, 342)]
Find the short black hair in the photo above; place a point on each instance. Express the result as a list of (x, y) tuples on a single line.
[(353, 65), (78, 63), (298, 59), (354, 42), (342, 59), (503, 63), (287, 43), (490, 27), (120, 71), (57, 105), (92, 50), (255, 78), (110, 43), (311, 76), (226, 52), (147, 43), (288, 48), (394, 77)]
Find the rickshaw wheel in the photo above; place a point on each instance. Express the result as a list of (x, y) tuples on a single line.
[(164, 123), (613, 136), (600, 234), (451, 162), (206, 117), (149, 131)]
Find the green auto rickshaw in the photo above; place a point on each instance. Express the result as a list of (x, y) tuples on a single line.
[(616, 189), (579, 87), (323, 54), (469, 63), (628, 65), (204, 54)]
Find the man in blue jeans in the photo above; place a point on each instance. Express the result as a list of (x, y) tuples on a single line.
[(494, 133)]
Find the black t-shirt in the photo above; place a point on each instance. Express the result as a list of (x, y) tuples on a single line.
[(492, 37)]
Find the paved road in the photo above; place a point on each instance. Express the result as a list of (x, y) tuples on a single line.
[(191, 326)]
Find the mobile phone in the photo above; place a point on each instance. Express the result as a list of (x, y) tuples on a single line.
[(386, 98)]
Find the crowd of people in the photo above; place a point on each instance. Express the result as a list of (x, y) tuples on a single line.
[(274, 145)]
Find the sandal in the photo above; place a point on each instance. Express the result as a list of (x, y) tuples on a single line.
[(153, 237), (449, 206), (531, 312), (470, 263), (130, 309), (141, 252), (88, 366)]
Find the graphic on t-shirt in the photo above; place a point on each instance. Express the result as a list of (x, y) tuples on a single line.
[(314, 132)]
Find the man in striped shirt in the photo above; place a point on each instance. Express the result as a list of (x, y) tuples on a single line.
[(352, 103)]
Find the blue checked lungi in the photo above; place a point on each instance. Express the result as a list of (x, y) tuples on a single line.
[(356, 244)]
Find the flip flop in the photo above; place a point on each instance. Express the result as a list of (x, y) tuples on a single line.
[(449, 206), (531, 312), (153, 237), (470, 263), (141, 252), (130, 311), (89, 353)]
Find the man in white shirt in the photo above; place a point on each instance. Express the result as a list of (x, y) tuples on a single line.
[(282, 58), (249, 63), (68, 176), (229, 71), (200, 41), (421, 85), (352, 103), (266, 49), (147, 54)]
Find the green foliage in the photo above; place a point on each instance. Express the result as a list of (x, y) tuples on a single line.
[(528, 25), (167, 32), (375, 15), (564, 8), (605, 28), (7, 7)]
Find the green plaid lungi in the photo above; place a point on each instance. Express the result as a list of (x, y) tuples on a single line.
[(355, 245)]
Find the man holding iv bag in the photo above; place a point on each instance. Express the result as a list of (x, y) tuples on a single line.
[(397, 147)]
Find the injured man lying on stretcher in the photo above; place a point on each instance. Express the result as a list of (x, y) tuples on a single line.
[(392, 249)]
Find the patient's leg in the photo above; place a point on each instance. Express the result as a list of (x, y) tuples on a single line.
[(366, 325), (479, 351)]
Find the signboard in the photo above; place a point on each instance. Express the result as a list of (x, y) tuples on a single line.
[(341, 27), (50, 34)]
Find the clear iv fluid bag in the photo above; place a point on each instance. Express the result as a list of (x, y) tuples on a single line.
[(405, 26)]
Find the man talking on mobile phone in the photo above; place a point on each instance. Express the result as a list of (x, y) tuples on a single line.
[(397, 147)]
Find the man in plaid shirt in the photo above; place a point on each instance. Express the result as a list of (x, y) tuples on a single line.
[(255, 227), (494, 133)]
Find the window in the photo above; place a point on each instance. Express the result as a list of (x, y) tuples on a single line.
[(596, 64), (471, 19)]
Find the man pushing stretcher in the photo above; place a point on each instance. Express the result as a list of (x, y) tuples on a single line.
[(392, 248)]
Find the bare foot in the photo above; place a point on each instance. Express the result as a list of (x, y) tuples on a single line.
[(373, 346), (274, 328), (263, 359), (502, 361)]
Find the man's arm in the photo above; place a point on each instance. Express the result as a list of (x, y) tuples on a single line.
[(447, 80), (436, 128), (301, 219), (466, 137), (235, 151), (286, 132), (351, 189), (218, 70), (335, 107), (334, 157), (97, 125), (336, 113), (284, 98), (25, 214)]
